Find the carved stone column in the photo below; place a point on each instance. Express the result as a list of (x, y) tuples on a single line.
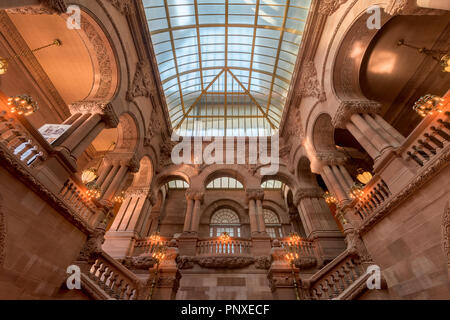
[(335, 175), (187, 243), (373, 133), (319, 224), (94, 118), (260, 239), (196, 212), (128, 222)]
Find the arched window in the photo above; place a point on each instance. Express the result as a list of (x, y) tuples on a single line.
[(225, 220), (273, 225)]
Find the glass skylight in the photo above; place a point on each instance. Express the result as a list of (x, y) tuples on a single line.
[(226, 66), (272, 184), (178, 184)]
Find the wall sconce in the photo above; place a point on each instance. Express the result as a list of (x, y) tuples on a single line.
[(4, 62), (443, 57), (428, 104), (22, 105), (329, 198), (364, 176)]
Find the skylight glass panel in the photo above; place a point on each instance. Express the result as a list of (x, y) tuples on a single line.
[(211, 52)]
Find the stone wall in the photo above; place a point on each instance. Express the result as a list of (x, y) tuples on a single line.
[(40, 243), (407, 244)]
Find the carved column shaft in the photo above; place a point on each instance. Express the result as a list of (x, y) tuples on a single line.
[(252, 214), (188, 216), (196, 212), (333, 183), (260, 216), (112, 189)]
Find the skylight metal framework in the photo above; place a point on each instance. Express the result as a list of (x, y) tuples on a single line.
[(226, 65)]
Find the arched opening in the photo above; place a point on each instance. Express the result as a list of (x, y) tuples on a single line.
[(323, 134), (225, 220), (273, 224)]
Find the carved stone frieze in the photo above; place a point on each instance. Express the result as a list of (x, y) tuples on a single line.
[(109, 116), (138, 192), (263, 262), (331, 158), (303, 193), (143, 262), (328, 7), (124, 6), (255, 194), (185, 262), (280, 280), (305, 263), (143, 84), (348, 108), (309, 85), (46, 7), (223, 262), (409, 7)]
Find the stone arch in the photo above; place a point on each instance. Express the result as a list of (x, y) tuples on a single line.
[(304, 174), (2, 233), (128, 133), (143, 178), (283, 175), (237, 172), (323, 134), (180, 172), (224, 203)]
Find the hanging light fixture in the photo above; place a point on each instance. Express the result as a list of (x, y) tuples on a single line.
[(428, 104), (224, 237), (22, 104), (329, 198), (89, 175), (443, 57), (364, 176), (155, 237), (93, 191), (4, 62)]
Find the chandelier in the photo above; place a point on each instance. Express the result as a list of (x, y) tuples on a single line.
[(224, 237), (329, 198), (428, 104), (295, 238), (94, 191), (89, 175), (119, 198), (155, 237), (443, 57), (4, 62), (22, 105)]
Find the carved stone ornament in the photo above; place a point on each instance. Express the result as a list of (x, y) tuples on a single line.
[(309, 85), (356, 246), (134, 165), (222, 262), (445, 234), (303, 193), (331, 158), (280, 280), (255, 194), (143, 85), (192, 194), (46, 7), (143, 262), (348, 108), (109, 116), (185, 262), (409, 7), (137, 192), (305, 263), (263, 262), (93, 246), (328, 7), (123, 6)]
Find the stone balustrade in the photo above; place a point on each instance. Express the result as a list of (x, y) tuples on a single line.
[(148, 245), (113, 278), (213, 247), (20, 142), (336, 277), (376, 192), (74, 195), (303, 248), (428, 139)]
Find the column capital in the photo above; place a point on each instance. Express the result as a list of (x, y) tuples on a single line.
[(138, 192), (331, 158), (348, 108), (134, 164), (255, 194), (105, 109), (192, 194), (410, 7), (303, 193)]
